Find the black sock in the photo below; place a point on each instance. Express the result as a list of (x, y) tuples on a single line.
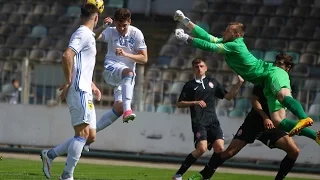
[(285, 167), (186, 164), (214, 162)]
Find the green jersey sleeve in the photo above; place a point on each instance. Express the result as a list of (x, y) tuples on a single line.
[(200, 33), (220, 48)]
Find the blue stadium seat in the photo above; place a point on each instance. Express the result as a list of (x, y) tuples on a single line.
[(164, 109), (237, 113), (270, 56), (242, 104), (39, 31), (257, 53), (73, 11), (115, 3)]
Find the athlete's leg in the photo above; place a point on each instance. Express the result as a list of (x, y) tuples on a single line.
[(287, 144), (127, 93)]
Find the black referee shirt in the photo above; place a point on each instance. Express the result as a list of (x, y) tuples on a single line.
[(208, 91)]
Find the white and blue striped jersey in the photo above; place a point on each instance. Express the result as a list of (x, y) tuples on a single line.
[(130, 43), (83, 43)]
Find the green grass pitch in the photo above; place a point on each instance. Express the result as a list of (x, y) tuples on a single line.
[(16, 169)]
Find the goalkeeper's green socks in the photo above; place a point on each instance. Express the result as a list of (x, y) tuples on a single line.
[(294, 106), (287, 125)]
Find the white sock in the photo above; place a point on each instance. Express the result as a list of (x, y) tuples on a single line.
[(74, 154), (127, 92), (107, 119), (62, 149)]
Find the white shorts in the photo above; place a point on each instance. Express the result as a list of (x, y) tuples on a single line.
[(81, 108), (112, 75)]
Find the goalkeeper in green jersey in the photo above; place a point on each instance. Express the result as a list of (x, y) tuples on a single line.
[(275, 80)]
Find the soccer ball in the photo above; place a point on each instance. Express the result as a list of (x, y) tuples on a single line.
[(98, 3)]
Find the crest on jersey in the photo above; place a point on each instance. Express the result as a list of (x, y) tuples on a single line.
[(198, 135), (211, 84)]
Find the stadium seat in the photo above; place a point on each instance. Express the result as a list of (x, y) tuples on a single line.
[(294, 22), (233, 8), (269, 32), (163, 61), (260, 21), (315, 12), (169, 50), (22, 31), (176, 62), (277, 21), (300, 70), (313, 47), (153, 74), (243, 104), (41, 9), (45, 43), (314, 109), (305, 2), (20, 54), (301, 11), (217, 7), (8, 8), (199, 6), (204, 25), (287, 32), (37, 55), (73, 11), (15, 19), (2, 41), (29, 43), (25, 9), (308, 58), (250, 42), (283, 11), (185, 51), (39, 31), (316, 35), (270, 56), (5, 53), (262, 44), (164, 109), (304, 33), (32, 19), (185, 76), (115, 3), (49, 20), (279, 45), (295, 55), (249, 9), (168, 76), (3, 18), (149, 107), (13, 42), (6, 30), (56, 32), (57, 10), (176, 87), (65, 21), (54, 56), (267, 10), (244, 19), (225, 67), (297, 46), (257, 53)]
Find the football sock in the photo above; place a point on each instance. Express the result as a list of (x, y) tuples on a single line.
[(214, 162), (74, 153), (107, 119), (127, 92), (288, 124), (294, 106), (186, 164), (59, 150), (285, 167)]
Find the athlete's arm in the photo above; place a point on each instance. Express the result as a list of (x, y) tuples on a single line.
[(234, 89), (200, 33), (98, 32), (96, 91), (141, 57), (219, 48), (67, 64), (185, 100), (257, 107)]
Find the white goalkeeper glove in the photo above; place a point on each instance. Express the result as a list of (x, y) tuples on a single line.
[(180, 35), (179, 16)]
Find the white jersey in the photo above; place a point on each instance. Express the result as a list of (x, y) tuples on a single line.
[(130, 43), (83, 43)]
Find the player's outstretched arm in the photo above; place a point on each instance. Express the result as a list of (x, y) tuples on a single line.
[(230, 95), (196, 30), (98, 32), (201, 44)]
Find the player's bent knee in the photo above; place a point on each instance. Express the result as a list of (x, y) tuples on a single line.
[(283, 93), (127, 72), (201, 150), (229, 153), (218, 149), (118, 108), (294, 152)]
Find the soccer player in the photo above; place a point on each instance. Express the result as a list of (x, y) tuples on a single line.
[(200, 96), (263, 130), (276, 81), (78, 63), (126, 47)]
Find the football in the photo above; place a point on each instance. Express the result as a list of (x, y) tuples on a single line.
[(98, 3)]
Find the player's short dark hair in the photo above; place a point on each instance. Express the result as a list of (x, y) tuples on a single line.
[(240, 27), (287, 59), (197, 61), (122, 14), (87, 10)]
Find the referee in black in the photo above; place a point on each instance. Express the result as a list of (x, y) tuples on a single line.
[(200, 95)]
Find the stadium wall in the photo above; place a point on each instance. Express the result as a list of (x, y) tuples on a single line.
[(150, 133)]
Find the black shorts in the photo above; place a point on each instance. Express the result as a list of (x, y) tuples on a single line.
[(249, 132), (211, 134)]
